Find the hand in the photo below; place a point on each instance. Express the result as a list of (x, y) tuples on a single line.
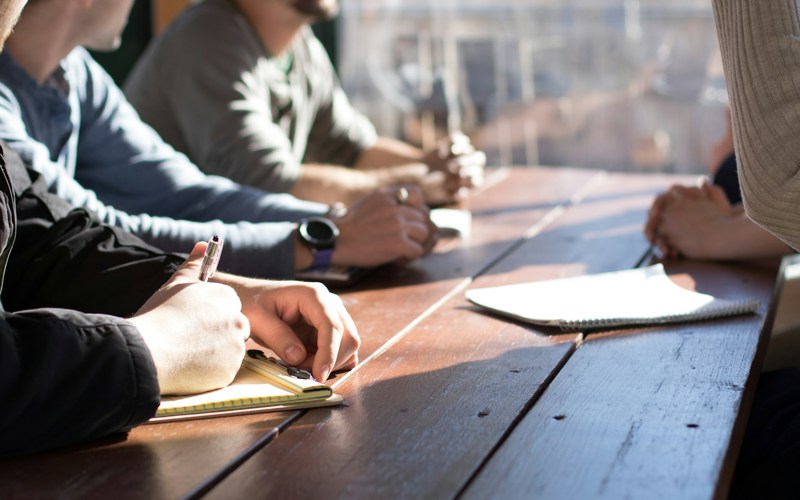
[(303, 323), (691, 222), (195, 331), (723, 148), (651, 228), (379, 229), (455, 165)]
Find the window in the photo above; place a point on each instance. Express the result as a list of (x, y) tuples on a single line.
[(633, 85)]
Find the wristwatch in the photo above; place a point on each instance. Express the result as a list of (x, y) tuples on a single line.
[(319, 234)]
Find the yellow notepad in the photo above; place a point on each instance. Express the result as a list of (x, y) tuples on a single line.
[(262, 384)]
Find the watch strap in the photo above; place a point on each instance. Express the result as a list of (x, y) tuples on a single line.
[(322, 259)]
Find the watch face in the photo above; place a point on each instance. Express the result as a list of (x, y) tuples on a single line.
[(319, 232)]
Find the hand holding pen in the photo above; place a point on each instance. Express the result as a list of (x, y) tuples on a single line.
[(186, 319), (324, 340)]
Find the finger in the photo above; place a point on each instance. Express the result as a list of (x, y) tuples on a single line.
[(651, 229), (418, 231), (350, 343), (189, 271), (456, 181), (658, 205), (415, 198), (244, 326), (430, 243), (281, 338), (329, 338), (663, 247), (692, 192), (348, 364), (408, 249), (465, 163), (413, 214), (717, 195)]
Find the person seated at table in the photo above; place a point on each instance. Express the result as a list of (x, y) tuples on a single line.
[(62, 113), (259, 102), (709, 221), (760, 59), (95, 324)]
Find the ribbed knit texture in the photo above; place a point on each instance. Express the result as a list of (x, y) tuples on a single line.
[(760, 44)]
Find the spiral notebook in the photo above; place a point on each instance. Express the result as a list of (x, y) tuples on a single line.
[(262, 384), (643, 296)]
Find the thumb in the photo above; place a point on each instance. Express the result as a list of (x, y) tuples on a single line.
[(189, 271), (717, 195)]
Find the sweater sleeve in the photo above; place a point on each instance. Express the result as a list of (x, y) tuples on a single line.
[(155, 193), (760, 44), (68, 377)]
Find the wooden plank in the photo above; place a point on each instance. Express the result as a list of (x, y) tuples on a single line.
[(422, 417), (170, 460), (153, 461), (512, 202), (642, 412)]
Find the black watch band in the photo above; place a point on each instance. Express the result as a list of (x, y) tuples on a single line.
[(319, 234)]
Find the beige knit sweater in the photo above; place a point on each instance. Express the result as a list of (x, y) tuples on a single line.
[(760, 43)]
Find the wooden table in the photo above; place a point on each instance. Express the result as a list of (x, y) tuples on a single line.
[(451, 402)]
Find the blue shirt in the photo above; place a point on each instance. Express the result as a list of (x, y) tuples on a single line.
[(80, 132)]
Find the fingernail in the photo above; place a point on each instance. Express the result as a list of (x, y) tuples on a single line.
[(326, 370), (294, 354)]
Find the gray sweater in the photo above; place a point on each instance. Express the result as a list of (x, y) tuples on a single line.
[(760, 44), (240, 112)]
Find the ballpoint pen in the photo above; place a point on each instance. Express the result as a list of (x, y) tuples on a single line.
[(211, 258)]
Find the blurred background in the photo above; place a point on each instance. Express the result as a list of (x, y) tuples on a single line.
[(629, 85), (625, 85)]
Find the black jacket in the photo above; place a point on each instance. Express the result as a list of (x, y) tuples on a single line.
[(71, 369)]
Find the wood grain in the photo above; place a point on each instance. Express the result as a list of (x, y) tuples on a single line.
[(170, 460), (641, 413), (423, 417)]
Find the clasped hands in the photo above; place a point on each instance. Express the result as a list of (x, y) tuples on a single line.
[(454, 166), (690, 221)]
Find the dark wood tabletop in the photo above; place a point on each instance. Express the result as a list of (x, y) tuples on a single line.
[(448, 401)]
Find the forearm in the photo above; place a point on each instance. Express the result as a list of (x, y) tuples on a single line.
[(332, 184), (389, 153), (761, 57), (739, 238)]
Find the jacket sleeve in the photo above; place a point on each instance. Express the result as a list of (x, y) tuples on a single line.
[(760, 45), (68, 377), (66, 258)]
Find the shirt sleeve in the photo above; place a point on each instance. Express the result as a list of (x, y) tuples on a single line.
[(760, 44)]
